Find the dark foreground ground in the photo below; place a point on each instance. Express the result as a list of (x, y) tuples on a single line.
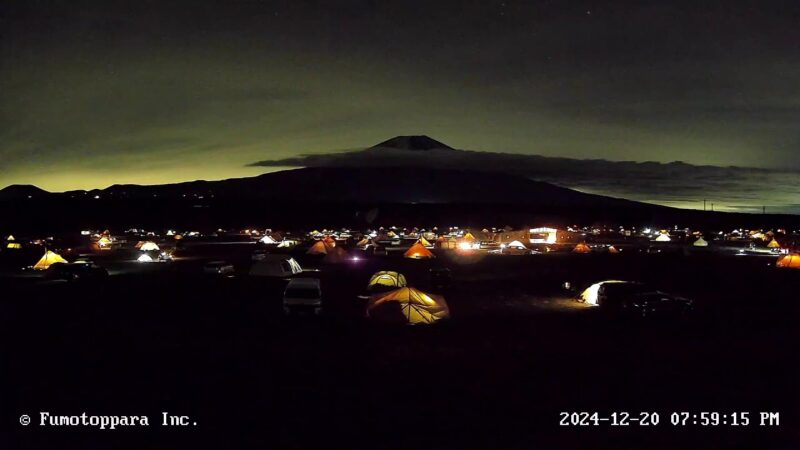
[(515, 354)]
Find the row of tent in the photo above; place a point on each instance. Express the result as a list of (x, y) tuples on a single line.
[(338, 254)]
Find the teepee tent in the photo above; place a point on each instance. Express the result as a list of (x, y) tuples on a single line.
[(386, 278), (469, 237), (424, 242), (773, 244), (582, 248), (319, 248), (11, 238), (407, 305), (49, 258), (790, 261), (700, 242), (418, 251), (663, 237)]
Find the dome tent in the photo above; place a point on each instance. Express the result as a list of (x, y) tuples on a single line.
[(407, 305), (49, 258)]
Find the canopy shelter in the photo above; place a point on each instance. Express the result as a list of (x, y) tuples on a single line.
[(275, 266), (700, 242), (418, 251), (582, 248), (319, 248), (407, 305), (790, 261), (49, 258)]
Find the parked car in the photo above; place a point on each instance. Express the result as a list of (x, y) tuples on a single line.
[(632, 298), (222, 268), (75, 271), (302, 294)]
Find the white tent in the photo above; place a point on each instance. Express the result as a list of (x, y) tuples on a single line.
[(145, 258), (275, 266), (663, 237), (517, 245), (268, 240), (149, 246)]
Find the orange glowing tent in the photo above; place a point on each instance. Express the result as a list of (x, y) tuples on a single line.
[(582, 248), (418, 251), (319, 248), (790, 261), (407, 305), (329, 241)]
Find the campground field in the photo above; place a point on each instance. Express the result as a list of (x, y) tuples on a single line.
[(517, 351)]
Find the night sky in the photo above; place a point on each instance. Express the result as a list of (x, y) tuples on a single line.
[(97, 93)]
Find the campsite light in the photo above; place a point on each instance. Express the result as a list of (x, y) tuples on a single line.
[(464, 246)]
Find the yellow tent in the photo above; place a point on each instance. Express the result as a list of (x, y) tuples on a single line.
[(469, 237), (149, 246), (14, 245), (663, 237), (49, 259), (387, 278), (700, 242), (104, 241), (773, 244), (407, 305), (424, 242), (319, 248), (582, 248), (790, 261), (418, 251)]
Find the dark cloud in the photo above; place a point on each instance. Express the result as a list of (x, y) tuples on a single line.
[(93, 93)]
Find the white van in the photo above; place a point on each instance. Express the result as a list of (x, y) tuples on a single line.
[(302, 294)]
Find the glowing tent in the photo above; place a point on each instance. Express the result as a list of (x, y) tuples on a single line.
[(149, 246), (319, 248), (104, 242), (516, 245), (418, 251), (424, 242), (144, 257), (363, 242), (14, 245), (589, 296), (268, 240), (329, 241), (700, 242), (613, 250), (469, 237), (49, 259), (11, 238), (663, 237), (582, 248), (407, 305), (790, 261), (773, 244), (387, 278)]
